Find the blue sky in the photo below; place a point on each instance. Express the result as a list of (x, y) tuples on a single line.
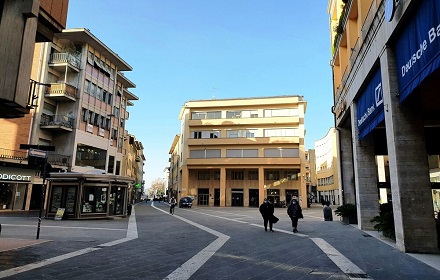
[(184, 50)]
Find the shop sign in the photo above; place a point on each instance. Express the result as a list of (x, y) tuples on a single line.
[(370, 106), (15, 177), (418, 48)]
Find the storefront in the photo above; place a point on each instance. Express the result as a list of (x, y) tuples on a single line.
[(16, 185), (83, 196)]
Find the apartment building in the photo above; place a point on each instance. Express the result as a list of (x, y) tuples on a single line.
[(385, 66), (310, 176), (236, 152), (133, 165), (22, 24), (81, 111), (327, 177)]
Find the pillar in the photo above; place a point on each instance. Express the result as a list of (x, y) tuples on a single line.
[(222, 186), (261, 189), (409, 171), (365, 175), (346, 172)]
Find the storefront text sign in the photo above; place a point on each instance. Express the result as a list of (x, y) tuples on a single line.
[(15, 177)]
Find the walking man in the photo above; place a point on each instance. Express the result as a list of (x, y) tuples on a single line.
[(295, 212), (172, 205), (266, 210)]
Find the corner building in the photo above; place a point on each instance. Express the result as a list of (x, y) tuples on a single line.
[(236, 152), (386, 58)]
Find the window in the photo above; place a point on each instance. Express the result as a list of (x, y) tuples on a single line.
[(253, 175), (237, 175), (283, 153), (84, 114), (292, 175), (233, 114), (91, 117), (90, 156), (203, 175), (103, 122), (214, 134), (110, 99), (216, 175), (99, 93), (250, 114), (111, 164), (272, 175), (208, 153), (241, 153), (281, 112), (118, 167), (198, 116), (116, 111), (104, 95), (87, 86), (214, 115), (92, 89), (232, 134), (96, 120), (281, 132), (197, 134)]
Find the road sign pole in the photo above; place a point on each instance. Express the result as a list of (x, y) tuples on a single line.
[(41, 207)]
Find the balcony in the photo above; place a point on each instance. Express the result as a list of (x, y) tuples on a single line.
[(62, 92), (12, 156), (243, 162), (269, 121), (243, 141), (60, 62), (57, 122)]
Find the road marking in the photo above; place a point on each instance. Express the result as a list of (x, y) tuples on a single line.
[(186, 270), (131, 234), (283, 231), (344, 264), (89, 228)]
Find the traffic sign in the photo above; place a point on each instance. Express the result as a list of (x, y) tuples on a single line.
[(37, 153)]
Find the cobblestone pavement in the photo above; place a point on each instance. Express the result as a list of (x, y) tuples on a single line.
[(201, 243)]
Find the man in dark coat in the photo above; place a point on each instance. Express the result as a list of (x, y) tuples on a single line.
[(295, 212), (266, 210)]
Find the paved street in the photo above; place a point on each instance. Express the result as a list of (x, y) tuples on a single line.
[(200, 243)]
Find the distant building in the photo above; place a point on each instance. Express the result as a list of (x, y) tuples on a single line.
[(311, 182), (236, 152), (327, 177), (22, 24), (133, 165), (81, 111), (386, 67)]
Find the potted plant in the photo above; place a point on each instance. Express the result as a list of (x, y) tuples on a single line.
[(385, 221), (348, 212)]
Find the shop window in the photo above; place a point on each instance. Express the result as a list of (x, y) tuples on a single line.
[(203, 175), (272, 175), (94, 200)]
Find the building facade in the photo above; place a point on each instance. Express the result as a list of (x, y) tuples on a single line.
[(22, 24), (81, 111), (327, 176), (385, 66), (236, 152), (133, 165)]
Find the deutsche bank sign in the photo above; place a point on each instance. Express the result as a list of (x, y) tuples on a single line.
[(370, 106)]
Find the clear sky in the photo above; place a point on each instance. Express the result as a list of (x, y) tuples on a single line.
[(184, 50)]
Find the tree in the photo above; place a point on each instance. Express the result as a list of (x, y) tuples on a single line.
[(156, 188)]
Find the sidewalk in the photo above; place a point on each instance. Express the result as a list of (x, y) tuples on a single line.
[(432, 260), (7, 244)]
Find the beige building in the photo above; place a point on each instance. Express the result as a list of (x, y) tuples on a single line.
[(310, 176), (236, 152), (385, 63), (326, 151), (133, 165)]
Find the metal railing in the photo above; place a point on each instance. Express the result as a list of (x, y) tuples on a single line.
[(61, 120), (58, 159), (62, 88), (65, 58), (13, 154)]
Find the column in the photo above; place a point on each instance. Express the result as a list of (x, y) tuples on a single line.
[(409, 171), (222, 186), (261, 189), (346, 172), (365, 175)]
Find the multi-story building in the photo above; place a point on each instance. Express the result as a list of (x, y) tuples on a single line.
[(81, 111), (327, 168), (133, 165), (385, 68), (22, 24), (236, 152)]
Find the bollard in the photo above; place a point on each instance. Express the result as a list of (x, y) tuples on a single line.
[(0, 229)]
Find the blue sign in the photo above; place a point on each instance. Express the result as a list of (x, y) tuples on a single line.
[(370, 106), (418, 48)]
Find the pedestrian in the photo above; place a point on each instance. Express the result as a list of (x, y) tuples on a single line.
[(266, 210), (328, 214), (295, 212), (172, 205)]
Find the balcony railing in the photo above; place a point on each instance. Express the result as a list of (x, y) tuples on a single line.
[(62, 91), (57, 159), (57, 121), (68, 58), (12, 154)]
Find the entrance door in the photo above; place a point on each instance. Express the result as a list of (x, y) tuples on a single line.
[(116, 203), (203, 197), (35, 197), (237, 197), (216, 197), (253, 198)]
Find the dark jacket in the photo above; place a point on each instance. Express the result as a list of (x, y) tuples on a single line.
[(266, 209), (295, 211)]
